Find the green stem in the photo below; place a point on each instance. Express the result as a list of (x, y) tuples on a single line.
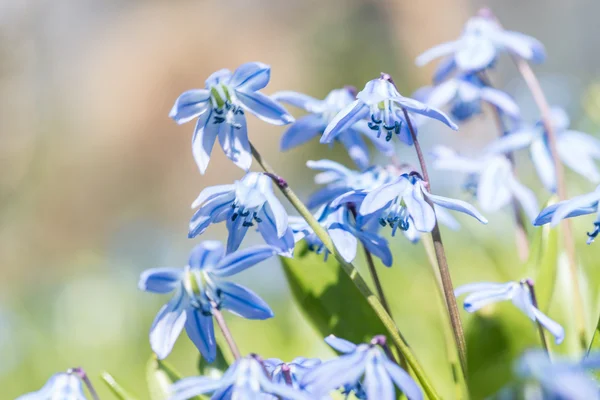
[(440, 255), (561, 189), (225, 330), (541, 331), (352, 272)]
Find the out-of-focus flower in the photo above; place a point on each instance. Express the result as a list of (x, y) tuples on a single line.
[(246, 202), (381, 104), (478, 47), (464, 95), (401, 203), (245, 379), (345, 233), (220, 107), (364, 363), (559, 378), (321, 113), (290, 373), (491, 178), (484, 293), (61, 386), (197, 290), (577, 150), (580, 205)]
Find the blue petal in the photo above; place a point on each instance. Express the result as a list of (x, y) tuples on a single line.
[(200, 330), (440, 50), (420, 211), (423, 109), (267, 228), (251, 76), (187, 388), (243, 302), (299, 100), (403, 380), (189, 105), (479, 287), (445, 218), (552, 326), (168, 324), (203, 140), (503, 101), (337, 170), (475, 54), (356, 147), (576, 203), (341, 345), (344, 120), (241, 260), (377, 246), (543, 163), (526, 197), (383, 146), (333, 374), (211, 192), (324, 196), (443, 93), (264, 108), (493, 189), (275, 211), (212, 211), (379, 198), (302, 131), (344, 241), (220, 76), (235, 144), (206, 255), (578, 151), (376, 91), (514, 141), (524, 46), (160, 280), (377, 382), (478, 300), (237, 231), (456, 205), (353, 196), (547, 213), (61, 386), (283, 391), (446, 67)]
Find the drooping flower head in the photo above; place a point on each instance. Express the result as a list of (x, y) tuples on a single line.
[(220, 107), (402, 203), (482, 40), (61, 386), (579, 205), (465, 94), (485, 293), (246, 203), (321, 113), (578, 150), (366, 364), (290, 373), (198, 289), (381, 105), (244, 379)]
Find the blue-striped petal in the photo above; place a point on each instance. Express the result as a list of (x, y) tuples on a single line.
[(299, 100), (440, 50), (189, 105), (187, 388), (199, 328), (168, 324), (241, 260), (344, 120), (377, 382), (341, 345), (403, 380), (243, 302), (160, 280), (456, 205), (264, 108), (251, 76), (303, 130), (206, 255)]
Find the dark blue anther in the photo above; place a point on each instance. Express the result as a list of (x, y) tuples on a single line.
[(382, 222), (377, 121), (248, 223), (218, 111), (372, 126), (234, 216)]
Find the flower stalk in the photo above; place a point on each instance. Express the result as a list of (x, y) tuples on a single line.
[(543, 340), (80, 372), (354, 275), (225, 330)]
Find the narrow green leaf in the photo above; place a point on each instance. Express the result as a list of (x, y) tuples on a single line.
[(116, 389), (214, 369), (328, 298), (160, 376)]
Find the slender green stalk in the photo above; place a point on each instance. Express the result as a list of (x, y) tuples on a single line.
[(352, 272), (86, 380), (541, 331), (440, 255), (225, 330), (569, 242)]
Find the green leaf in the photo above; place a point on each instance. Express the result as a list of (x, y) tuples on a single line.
[(160, 376), (116, 389), (328, 298), (214, 369)]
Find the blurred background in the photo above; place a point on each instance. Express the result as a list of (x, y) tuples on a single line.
[(97, 181)]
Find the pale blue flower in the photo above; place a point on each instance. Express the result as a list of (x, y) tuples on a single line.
[(381, 105), (245, 379), (290, 373), (577, 150), (465, 94), (321, 113), (345, 233), (197, 289), (339, 180), (61, 386), (485, 293), (491, 178), (559, 378), (243, 204), (580, 205), (401, 203), (220, 107), (482, 40), (364, 363)]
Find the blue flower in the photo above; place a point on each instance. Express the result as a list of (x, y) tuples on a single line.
[(559, 378), (580, 205), (345, 233), (321, 114), (465, 93), (401, 203), (290, 373), (220, 107), (365, 360), (491, 178), (245, 379), (197, 289), (485, 293), (577, 150), (478, 47), (339, 180), (246, 202), (63, 386), (382, 104)]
